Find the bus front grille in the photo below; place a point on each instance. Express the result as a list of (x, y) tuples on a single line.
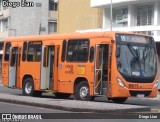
[(135, 93)]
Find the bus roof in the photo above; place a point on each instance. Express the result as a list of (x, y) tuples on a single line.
[(76, 35)]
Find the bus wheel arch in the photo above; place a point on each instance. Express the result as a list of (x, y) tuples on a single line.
[(28, 87), (82, 89)]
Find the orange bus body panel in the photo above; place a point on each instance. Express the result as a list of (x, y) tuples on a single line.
[(66, 73)]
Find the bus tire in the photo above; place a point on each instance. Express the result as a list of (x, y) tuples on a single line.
[(62, 95), (119, 100), (28, 87), (82, 92)]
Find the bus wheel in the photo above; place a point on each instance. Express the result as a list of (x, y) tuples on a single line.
[(62, 95), (82, 92), (119, 100), (28, 87)]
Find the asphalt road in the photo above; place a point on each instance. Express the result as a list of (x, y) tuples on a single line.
[(22, 109)]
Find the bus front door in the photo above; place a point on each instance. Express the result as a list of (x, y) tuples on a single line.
[(47, 68), (101, 69), (13, 66)]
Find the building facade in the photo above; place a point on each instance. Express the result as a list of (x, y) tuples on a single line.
[(39, 19), (76, 15), (140, 16)]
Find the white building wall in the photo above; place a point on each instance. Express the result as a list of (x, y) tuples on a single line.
[(131, 15), (153, 29), (107, 18)]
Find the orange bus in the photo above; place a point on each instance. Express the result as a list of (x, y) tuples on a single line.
[(117, 65)]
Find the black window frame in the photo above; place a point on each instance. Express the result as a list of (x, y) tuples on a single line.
[(64, 50), (25, 50), (13, 56), (92, 51), (6, 57)]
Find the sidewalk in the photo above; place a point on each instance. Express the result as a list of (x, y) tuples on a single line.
[(72, 105)]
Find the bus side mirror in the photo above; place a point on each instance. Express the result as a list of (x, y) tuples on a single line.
[(118, 50)]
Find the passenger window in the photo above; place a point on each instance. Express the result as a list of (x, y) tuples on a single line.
[(91, 58), (13, 57), (78, 50), (45, 58), (24, 51), (64, 50), (7, 50), (34, 51)]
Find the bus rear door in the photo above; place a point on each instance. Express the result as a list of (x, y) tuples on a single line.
[(14, 57), (49, 62)]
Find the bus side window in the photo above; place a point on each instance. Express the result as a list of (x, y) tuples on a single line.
[(13, 57), (78, 50), (91, 58), (45, 58), (34, 51), (7, 50), (64, 50), (24, 51)]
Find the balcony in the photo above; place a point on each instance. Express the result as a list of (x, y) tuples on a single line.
[(53, 15), (106, 3)]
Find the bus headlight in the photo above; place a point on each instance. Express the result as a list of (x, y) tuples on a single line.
[(156, 84), (121, 83)]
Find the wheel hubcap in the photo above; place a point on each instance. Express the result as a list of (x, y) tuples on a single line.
[(28, 88), (84, 92)]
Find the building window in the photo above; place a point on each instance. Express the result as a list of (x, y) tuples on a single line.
[(120, 17), (52, 27), (53, 5), (146, 32), (78, 50), (34, 51), (145, 15), (4, 25)]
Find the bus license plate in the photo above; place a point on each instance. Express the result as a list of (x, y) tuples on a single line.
[(140, 95)]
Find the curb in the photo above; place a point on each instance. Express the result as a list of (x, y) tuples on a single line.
[(147, 109), (78, 109)]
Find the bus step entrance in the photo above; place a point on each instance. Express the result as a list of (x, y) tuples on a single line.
[(104, 87), (104, 92), (101, 69)]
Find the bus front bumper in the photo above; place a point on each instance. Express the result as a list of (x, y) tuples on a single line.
[(124, 92)]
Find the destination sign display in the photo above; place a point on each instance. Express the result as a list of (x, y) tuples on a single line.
[(133, 38), (36, 42)]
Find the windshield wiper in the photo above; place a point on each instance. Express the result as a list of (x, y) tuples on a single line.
[(133, 51)]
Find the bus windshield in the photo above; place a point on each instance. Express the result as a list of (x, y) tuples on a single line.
[(136, 59)]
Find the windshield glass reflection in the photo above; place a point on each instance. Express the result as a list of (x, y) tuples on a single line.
[(139, 61)]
